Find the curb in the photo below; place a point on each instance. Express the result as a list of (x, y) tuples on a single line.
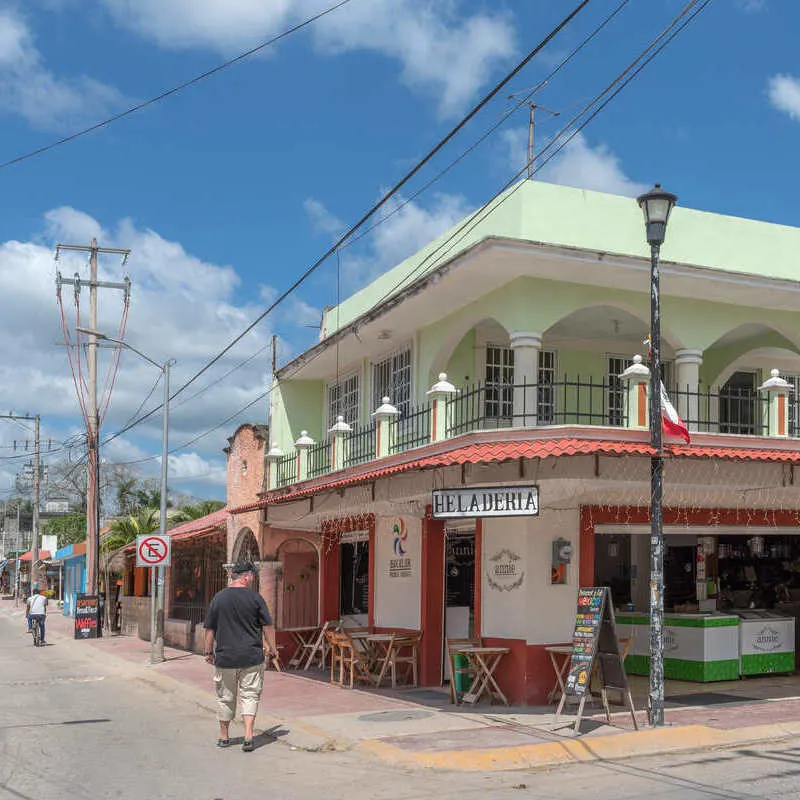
[(682, 739)]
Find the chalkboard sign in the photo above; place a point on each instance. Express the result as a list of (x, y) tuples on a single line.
[(595, 652), (87, 616)]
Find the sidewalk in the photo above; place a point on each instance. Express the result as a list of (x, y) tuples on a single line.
[(420, 728)]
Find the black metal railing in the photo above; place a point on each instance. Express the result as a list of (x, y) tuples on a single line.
[(360, 446), (743, 412), (566, 402), (319, 459), (411, 430), (287, 469)]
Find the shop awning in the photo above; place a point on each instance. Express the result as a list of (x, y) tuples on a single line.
[(443, 454), (43, 555)]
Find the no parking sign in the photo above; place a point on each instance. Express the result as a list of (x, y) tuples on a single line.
[(152, 550)]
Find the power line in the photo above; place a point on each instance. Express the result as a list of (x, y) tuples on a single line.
[(376, 207), (175, 89)]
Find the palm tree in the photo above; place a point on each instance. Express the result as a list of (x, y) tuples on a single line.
[(124, 531), (194, 511)]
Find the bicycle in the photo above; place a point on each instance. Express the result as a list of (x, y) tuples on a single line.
[(36, 627)]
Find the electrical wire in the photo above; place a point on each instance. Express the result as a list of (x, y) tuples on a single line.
[(175, 89), (373, 210)]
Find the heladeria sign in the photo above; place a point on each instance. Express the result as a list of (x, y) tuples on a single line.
[(486, 501)]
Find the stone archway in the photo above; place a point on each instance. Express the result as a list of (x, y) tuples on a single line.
[(298, 595), (246, 549)]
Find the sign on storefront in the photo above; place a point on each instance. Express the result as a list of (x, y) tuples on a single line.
[(486, 501)]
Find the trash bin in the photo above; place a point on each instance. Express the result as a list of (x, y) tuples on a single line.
[(462, 677)]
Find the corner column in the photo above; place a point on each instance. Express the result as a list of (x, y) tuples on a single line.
[(440, 395), (526, 347), (687, 378), (271, 467), (385, 430), (637, 376), (777, 411), (269, 577)]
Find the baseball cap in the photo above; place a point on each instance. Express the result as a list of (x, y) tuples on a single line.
[(241, 567)]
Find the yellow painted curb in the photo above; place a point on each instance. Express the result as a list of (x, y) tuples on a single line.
[(573, 751)]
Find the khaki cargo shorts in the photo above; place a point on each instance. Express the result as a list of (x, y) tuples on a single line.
[(244, 682)]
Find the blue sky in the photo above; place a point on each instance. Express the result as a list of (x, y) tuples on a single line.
[(228, 191)]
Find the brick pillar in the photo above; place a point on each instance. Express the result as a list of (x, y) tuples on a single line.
[(269, 578)]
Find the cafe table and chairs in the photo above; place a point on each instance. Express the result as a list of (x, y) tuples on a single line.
[(301, 637), (560, 656), (352, 662), (461, 672), (483, 661), (392, 650)]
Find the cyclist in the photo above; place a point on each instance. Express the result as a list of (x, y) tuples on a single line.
[(37, 608)]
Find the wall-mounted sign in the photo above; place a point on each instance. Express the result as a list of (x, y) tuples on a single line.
[(354, 536), (486, 501), (505, 571)]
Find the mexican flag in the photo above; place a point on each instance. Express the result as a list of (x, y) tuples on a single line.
[(670, 421)]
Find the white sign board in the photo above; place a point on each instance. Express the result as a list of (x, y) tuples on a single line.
[(353, 536), (486, 501), (152, 550)]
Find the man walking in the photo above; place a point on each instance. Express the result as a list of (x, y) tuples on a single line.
[(36, 607), (236, 642)]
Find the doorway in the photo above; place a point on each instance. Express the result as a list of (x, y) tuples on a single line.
[(459, 587), (738, 401)]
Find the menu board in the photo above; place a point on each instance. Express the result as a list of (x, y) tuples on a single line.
[(588, 620), (595, 651), (87, 616)]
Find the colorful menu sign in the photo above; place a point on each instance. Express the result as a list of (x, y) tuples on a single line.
[(87, 616), (595, 651), (588, 619)]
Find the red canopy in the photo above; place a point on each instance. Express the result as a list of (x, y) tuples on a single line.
[(43, 554)]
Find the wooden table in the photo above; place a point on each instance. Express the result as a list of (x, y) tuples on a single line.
[(484, 661), (380, 647), (301, 637), (564, 650)]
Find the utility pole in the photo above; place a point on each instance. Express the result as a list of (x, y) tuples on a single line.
[(92, 414), (36, 484), (531, 123)]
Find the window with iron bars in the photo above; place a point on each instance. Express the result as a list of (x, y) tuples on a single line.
[(344, 399), (500, 384), (794, 406), (391, 377)]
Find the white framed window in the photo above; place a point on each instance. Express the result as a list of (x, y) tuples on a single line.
[(344, 398), (794, 405), (391, 377), (499, 379)]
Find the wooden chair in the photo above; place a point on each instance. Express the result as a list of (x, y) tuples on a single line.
[(475, 641), (353, 663), (405, 651)]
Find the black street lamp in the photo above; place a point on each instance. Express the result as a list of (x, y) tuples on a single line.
[(656, 206)]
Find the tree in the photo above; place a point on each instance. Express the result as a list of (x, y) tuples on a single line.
[(148, 494), (193, 511), (124, 531), (69, 529)]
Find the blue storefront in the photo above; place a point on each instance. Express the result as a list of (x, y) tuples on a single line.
[(73, 559)]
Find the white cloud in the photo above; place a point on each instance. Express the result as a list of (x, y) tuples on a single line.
[(405, 228), (322, 221), (752, 6), (442, 50), (784, 94), (30, 90), (578, 164), (181, 307)]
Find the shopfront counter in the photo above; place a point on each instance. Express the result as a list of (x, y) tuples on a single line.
[(766, 642), (697, 647)]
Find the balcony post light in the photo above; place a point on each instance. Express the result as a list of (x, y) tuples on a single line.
[(656, 206)]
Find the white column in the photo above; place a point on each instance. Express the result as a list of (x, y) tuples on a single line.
[(687, 379), (526, 347), (637, 376), (271, 471), (777, 411), (384, 417), (440, 395), (303, 445), (339, 444)]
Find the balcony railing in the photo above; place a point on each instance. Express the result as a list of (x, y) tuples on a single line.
[(319, 459), (411, 430), (287, 469), (361, 446), (577, 401)]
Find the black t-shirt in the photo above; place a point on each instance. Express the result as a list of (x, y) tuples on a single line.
[(237, 616)]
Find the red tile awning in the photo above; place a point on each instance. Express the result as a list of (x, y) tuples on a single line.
[(487, 452), (43, 555)]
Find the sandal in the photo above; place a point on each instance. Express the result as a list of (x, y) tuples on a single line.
[(248, 746), (223, 742)]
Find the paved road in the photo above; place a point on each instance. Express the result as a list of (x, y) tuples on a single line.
[(75, 725)]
